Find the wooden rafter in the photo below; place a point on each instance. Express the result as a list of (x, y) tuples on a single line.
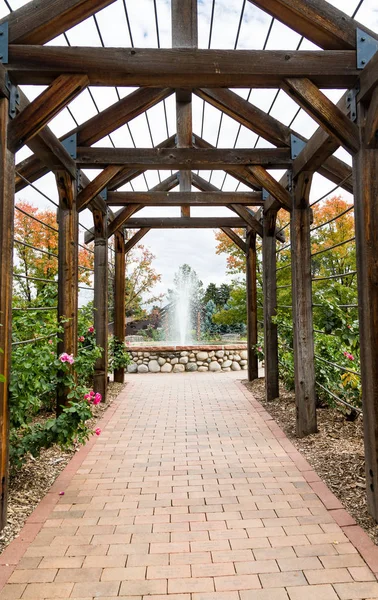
[(40, 21), (96, 186), (235, 238), (214, 198), (317, 20), (122, 217), (182, 67), (183, 222), (275, 188), (136, 239)]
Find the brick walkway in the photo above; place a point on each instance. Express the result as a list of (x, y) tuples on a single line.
[(191, 492)]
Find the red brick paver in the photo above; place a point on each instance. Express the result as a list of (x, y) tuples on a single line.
[(192, 492)]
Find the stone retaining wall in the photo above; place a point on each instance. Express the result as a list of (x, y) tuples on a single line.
[(178, 359)]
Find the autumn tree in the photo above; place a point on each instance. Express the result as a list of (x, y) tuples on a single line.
[(36, 246), (141, 278)]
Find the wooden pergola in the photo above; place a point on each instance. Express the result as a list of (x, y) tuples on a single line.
[(347, 59)]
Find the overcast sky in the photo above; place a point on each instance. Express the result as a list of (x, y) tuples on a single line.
[(175, 247)]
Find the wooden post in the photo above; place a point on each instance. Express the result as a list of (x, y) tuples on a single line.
[(251, 281), (68, 271), (184, 35), (366, 219), (101, 300), (6, 257), (270, 305), (304, 359), (119, 296)]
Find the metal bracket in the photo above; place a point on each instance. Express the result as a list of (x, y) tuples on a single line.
[(296, 145), (4, 42), (70, 144), (265, 194), (104, 194), (290, 181), (14, 96), (351, 102), (367, 46)]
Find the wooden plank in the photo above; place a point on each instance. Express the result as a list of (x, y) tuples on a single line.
[(270, 305), (248, 216), (272, 130), (235, 238), (44, 108), (67, 272), (182, 67), (99, 126), (40, 21), (96, 186), (6, 271), (135, 239), (202, 184), (251, 282), (304, 359), (119, 296), (272, 186), (316, 20), (184, 223), (368, 80), (100, 301), (371, 124), (188, 198), (123, 216), (182, 158), (366, 221), (324, 112)]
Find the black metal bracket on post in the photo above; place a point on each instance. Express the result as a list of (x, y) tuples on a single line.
[(265, 194), (104, 194), (4, 42), (296, 145), (351, 102), (14, 96), (366, 46), (70, 145)]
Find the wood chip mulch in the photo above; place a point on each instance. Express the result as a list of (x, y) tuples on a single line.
[(336, 453), (31, 483)]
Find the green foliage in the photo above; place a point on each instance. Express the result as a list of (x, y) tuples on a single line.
[(210, 329), (235, 311), (119, 357)]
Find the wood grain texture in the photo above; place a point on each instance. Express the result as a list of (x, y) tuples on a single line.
[(96, 186), (234, 237), (182, 158), (129, 245), (271, 185), (251, 282), (248, 216), (366, 222), (119, 296), (43, 109), (40, 21), (270, 304), (184, 223), (122, 217), (100, 301), (6, 279), (215, 198), (316, 20), (304, 359), (182, 67), (68, 272)]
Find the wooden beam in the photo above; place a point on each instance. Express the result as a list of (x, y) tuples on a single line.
[(184, 223), (98, 127), (39, 65), (6, 278), (96, 186), (44, 108), (272, 186), (270, 305), (202, 184), (368, 80), (100, 301), (248, 216), (40, 21), (121, 218), (119, 296), (316, 20), (135, 239), (182, 158), (235, 238), (67, 272), (251, 282), (324, 112), (304, 359), (366, 220), (184, 198)]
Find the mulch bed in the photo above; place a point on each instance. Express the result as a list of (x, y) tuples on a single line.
[(31, 483), (336, 453)]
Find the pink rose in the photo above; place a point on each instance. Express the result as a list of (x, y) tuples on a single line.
[(97, 399), (66, 358), (91, 329), (50, 341), (97, 431), (81, 338), (87, 397)]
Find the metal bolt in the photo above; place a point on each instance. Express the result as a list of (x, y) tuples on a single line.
[(363, 62), (1, 32), (363, 39)]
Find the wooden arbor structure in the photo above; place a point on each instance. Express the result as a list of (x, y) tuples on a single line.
[(347, 59)]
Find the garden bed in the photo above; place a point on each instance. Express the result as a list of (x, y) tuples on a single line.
[(336, 453), (30, 484)]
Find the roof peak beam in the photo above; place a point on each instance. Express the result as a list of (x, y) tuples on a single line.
[(182, 67), (316, 20), (162, 198), (184, 222), (40, 21), (98, 127)]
